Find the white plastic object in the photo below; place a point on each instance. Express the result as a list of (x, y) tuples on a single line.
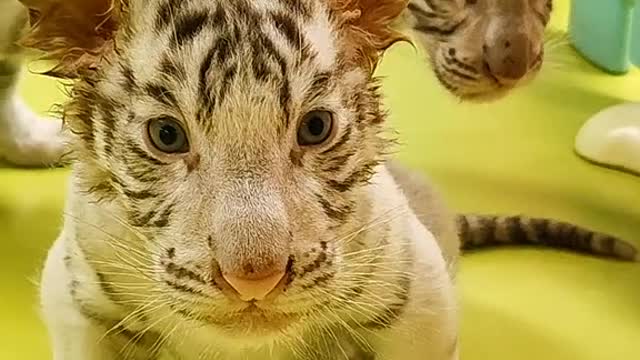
[(612, 138)]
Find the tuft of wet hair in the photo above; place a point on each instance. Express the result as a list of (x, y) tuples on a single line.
[(73, 34), (368, 28)]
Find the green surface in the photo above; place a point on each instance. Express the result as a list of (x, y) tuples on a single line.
[(514, 156)]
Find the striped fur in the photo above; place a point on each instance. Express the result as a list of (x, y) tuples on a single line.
[(466, 41), (150, 237), (481, 231)]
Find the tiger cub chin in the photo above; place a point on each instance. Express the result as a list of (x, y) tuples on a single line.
[(478, 49)]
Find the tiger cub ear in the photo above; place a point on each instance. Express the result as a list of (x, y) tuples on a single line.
[(368, 28), (74, 34)]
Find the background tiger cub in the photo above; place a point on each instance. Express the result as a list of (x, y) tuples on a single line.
[(480, 50), (25, 138)]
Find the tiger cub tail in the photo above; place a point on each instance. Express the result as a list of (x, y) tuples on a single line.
[(480, 231)]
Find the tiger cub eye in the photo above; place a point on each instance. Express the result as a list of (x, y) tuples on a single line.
[(168, 136)]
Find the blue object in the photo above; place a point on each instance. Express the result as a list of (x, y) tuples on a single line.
[(607, 32)]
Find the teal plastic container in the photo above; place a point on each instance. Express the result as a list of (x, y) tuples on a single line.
[(607, 32)]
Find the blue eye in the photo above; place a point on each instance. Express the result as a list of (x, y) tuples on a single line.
[(168, 136), (316, 127)]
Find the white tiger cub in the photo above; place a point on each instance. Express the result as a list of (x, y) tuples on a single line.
[(26, 139), (229, 197)]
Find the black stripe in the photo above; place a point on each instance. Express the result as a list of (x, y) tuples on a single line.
[(163, 219), (103, 191), (161, 94), (288, 28), (570, 236), (285, 99), (219, 16), (105, 287), (541, 230), (223, 50), (247, 13), (297, 7), (463, 230), (433, 5), (137, 151), (340, 143), (430, 29), (444, 81), (452, 60), (459, 73), (171, 69), (321, 84), (362, 175), (420, 12), (129, 83), (166, 13), (262, 44), (185, 289), (107, 113), (206, 94), (142, 172), (227, 80), (334, 212), (188, 26), (585, 240), (138, 220), (85, 113), (138, 195), (488, 230), (183, 273), (337, 163), (515, 230), (260, 69), (608, 245), (319, 280)]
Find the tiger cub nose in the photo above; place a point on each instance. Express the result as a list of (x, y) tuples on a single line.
[(508, 57), (256, 286)]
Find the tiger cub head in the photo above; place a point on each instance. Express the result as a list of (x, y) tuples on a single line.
[(240, 137), (480, 50)]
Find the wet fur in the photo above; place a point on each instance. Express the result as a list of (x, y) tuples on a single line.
[(146, 235)]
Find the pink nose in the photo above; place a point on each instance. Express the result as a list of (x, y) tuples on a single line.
[(254, 288)]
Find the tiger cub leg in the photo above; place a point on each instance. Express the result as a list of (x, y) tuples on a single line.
[(427, 328)]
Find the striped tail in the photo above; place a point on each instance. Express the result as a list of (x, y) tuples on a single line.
[(477, 231)]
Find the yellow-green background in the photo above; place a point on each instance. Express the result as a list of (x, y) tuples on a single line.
[(511, 157)]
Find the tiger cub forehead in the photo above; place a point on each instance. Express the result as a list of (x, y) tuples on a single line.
[(242, 62), (290, 31)]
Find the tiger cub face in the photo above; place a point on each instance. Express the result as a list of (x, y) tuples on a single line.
[(482, 49), (237, 136)]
